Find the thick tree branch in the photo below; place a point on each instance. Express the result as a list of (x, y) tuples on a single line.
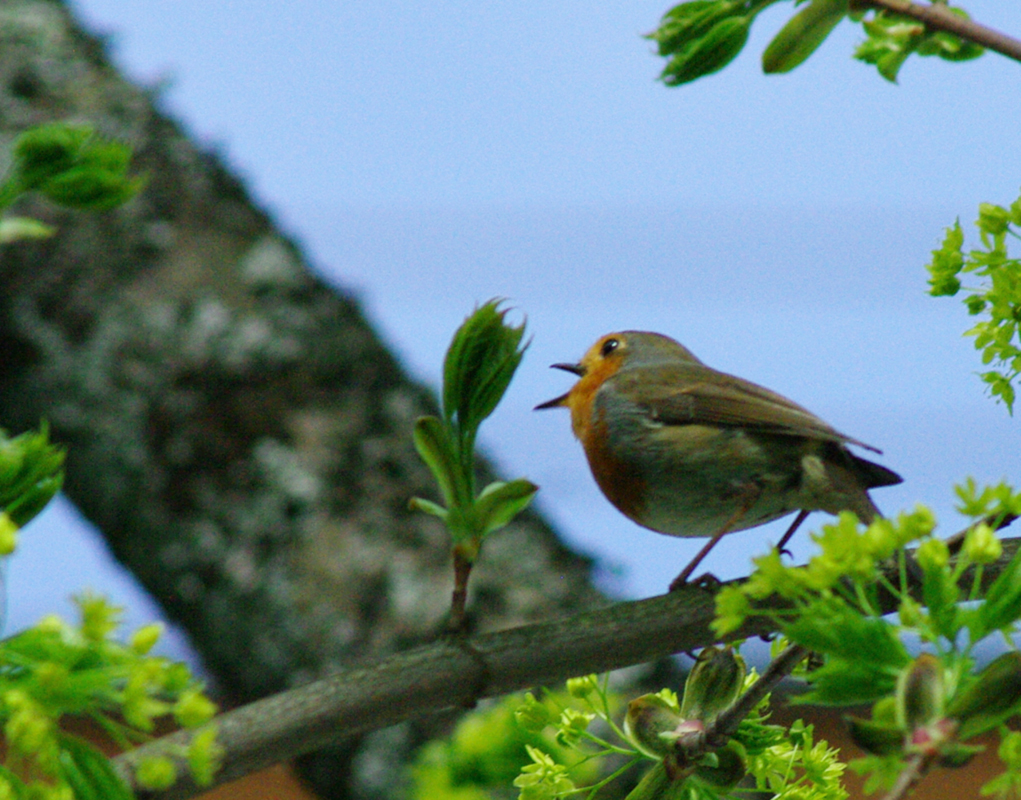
[(456, 673), (939, 17), (447, 674)]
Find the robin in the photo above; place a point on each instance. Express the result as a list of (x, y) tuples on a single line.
[(685, 450)]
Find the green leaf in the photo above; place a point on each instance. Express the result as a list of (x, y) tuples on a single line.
[(992, 219), (428, 507), (842, 632), (710, 53), (992, 698), (1002, 604), (892, 39), (802, 35), (42, 152), (482, 358), (16, 783), (72, 166), (844, 683), (433, 445), (946, 263), (13, 229), (91, 189), (31, 473), (90, 772), (500, 502), (940, 593), (878, 738), (684, 24)]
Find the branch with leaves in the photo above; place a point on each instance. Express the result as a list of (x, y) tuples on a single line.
[(477, 370), (997, 299), (701, 37), (459, 672)]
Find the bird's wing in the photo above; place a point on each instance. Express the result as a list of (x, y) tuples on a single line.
[(690, 399)]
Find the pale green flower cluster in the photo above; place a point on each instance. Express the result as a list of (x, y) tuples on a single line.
[(56, 669)]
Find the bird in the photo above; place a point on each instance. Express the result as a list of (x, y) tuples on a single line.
[(686, 450)]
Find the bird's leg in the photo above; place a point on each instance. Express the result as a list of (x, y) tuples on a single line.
[(747, 499), (790, 531)]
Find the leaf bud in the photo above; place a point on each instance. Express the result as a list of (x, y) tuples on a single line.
[(582, 687), (920, 692), (205, 755), (145, 638), (981, 545), (1009, 750), (8, 534), (933, 555), (713, 683), (648, 718), (992, 218), (193, 709), (156, 773), (532, 715), (727, 768)]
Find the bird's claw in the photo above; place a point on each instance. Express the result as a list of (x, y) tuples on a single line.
[(704, 581)]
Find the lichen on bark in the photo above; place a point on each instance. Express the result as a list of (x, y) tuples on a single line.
[(234, 427)]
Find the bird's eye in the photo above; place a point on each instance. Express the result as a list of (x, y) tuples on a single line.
[(609, 346)]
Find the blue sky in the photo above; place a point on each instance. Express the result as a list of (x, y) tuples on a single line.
[(432, 156)]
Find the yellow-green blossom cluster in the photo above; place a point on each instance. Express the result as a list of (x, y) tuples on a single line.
[(56, 669)]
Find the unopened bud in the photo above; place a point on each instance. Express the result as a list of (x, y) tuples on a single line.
[(981, 545), (713, 683), (648, 718), (920, 692)]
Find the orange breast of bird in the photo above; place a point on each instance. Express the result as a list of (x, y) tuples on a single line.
[(617, 478)]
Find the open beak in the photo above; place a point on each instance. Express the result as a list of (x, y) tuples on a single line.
[(575, 369)]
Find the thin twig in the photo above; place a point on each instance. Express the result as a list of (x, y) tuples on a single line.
[(725, 725), (914, 770), (459, 598), (940, 18)]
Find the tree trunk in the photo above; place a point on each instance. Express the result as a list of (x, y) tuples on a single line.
[(234, 427)]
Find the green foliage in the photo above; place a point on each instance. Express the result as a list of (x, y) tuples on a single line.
[(54, 670), (802, 35), (31, 473), (930, 705), (478, 368), (997, 299), (479, 365), (892, 38), (701, 37), (71, 166), (487, 751), (658, 730)]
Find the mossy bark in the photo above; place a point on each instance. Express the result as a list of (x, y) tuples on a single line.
[(234, 427)]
